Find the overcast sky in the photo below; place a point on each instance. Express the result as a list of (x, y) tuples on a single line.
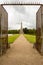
[(24, 14)]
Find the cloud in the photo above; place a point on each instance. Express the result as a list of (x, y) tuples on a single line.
[(26, 14), (20, 9)]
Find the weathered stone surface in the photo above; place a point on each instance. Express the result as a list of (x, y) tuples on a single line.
[(3, 30), (39, 30)]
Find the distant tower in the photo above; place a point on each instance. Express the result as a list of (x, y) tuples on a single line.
[(21, 29)]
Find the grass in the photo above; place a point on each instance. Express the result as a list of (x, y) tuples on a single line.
[(30, 38), (12, 38)]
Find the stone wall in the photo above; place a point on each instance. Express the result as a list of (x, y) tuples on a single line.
[(39, 30), (3, 30)]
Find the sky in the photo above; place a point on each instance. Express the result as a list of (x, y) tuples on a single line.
[(24, 14)]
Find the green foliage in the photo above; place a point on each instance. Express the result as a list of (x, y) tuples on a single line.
[(13, 31), (29, 31), (12, 38), (26, 31), (30, 38)]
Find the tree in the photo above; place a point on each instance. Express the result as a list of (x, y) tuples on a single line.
[(29, 31)]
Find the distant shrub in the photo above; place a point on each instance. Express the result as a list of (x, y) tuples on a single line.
[(29, 31)]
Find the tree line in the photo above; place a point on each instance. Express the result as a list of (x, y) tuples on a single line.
[(29, 31), (25, 30)]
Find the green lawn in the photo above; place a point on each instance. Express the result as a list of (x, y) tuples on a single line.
[(12, 38), (30, 38)]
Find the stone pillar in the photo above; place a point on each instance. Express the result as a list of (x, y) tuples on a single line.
[(21, 29), (39, 30), (3, 30)]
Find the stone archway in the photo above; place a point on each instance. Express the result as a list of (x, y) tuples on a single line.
[(39, 27)]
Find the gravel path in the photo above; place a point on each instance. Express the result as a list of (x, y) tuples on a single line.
[(21, 53)]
